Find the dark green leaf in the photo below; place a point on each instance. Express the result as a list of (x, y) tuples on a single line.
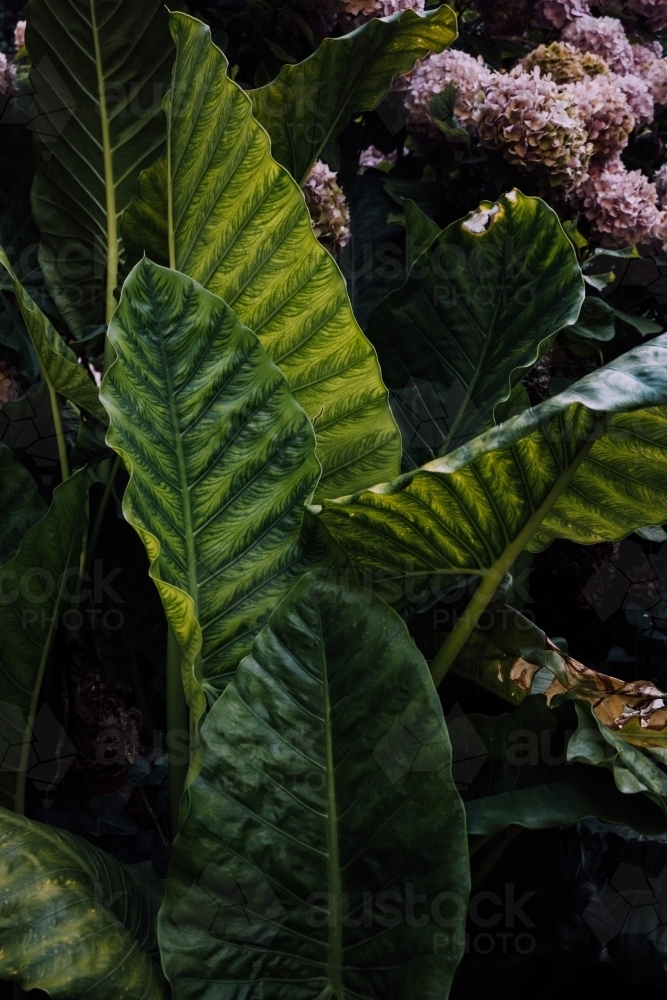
[(527, 778), (309, 103), (480, 306), (20, 504), (34, 586), (587, 465), (596, 320), (75, 922), (99, 73), (222, 460), (58, 364), (324, 808), (640, 323), (420, 232)]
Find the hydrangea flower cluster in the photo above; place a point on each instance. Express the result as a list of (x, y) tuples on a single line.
[(606, 112), (329, 212), (375, 158), (567, 109), (563, 63), (7, 76), (603, 36), (620, 204), (558, 13), (19, 35), (655, 12), (433, 75), (535, 123), (349, 14)]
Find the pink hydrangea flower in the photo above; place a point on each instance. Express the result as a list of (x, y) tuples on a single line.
[(349, 14), (605, 36), (660, 181), (374, 157), (656, 77), (535, 123), (606, 112), (637, 91), (19, 35), (655, 12), (644, 55), (469, 74), (7, 76), (620, 204), (329, 212), (560, 12)]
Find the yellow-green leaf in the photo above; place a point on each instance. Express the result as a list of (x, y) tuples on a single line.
[(57, 362), (74, 921), (222, 460), (218, 208)]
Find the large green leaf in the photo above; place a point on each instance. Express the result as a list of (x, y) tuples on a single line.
[(241, 228), (100, 69), (57, 362), (309, 103), (323, 812), (222, 460), (528, 778), (588, 465), (420, 231), (481, 304), (34, 586), (20, 503), (74, 921)]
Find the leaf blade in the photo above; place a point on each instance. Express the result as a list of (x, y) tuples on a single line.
[(221, 458), (481, 304), (227, 896), (241, 229), (566, 469), (58, 363), (40, 571), (77, 921), (311, 102), (98, 83)]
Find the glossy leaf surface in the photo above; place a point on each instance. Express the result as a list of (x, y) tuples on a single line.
[(311, 102), (323, 810), (75, 922), (481, 305), (587, 465), (99, 72), (57, 362), (222, 460), (241, 229)]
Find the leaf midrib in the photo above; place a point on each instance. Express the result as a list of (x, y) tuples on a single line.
[(109, 186), (188, 534), (335, 958), (482, 354)]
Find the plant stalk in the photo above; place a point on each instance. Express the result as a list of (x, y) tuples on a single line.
[(60, 436), (99, 517), (493, 576), (177, 730)]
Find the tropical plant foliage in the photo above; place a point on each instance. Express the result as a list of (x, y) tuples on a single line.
[(213, 603)]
